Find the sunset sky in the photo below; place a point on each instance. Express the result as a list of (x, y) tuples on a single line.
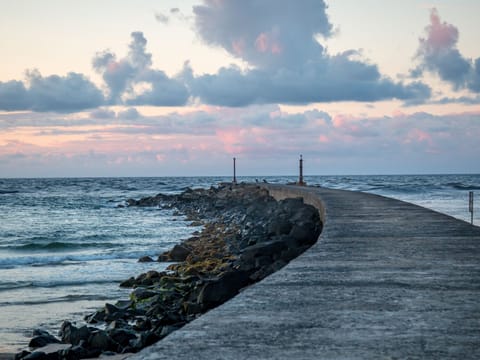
[(167, 88)]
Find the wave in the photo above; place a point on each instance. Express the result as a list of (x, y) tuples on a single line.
[(68, 259), (61, 246), (4, 286), (67, 298), (8, 192), (462, 186)]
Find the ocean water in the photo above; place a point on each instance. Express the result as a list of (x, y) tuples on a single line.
[(65, 244)]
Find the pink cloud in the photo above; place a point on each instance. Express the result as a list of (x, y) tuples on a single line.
[(440, 35), (323, 139)]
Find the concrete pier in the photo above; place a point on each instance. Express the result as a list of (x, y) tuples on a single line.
[(386, 280)]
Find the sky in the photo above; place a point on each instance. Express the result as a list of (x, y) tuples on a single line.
[(179, 88)]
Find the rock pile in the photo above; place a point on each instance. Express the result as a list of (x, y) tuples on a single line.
[(247, 235)]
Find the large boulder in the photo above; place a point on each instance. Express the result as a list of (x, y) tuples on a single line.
[(42, 338), (73, 335), (216, 292), (267, 248), (179, 253)]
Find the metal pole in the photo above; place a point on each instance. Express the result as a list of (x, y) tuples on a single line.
[(300, 180), (234, 171), (470, 205)]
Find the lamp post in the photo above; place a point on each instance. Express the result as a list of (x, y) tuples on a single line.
[(300, 178), (234, 171)]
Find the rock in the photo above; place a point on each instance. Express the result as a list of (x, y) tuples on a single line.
[(304, 233), (179, 253), (267, 248), (142, 324), (192, 308), (145, 259), (216, 292), (146, 338), (22, 354), (100, 340), (36, 355), (42, 340), (78, 352), (122, 336), (118, 324), (128, 283), (141, 294), (279, 226), (96, 317), (73, 335)]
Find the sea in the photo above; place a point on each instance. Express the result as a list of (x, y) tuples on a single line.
[(67, 243)]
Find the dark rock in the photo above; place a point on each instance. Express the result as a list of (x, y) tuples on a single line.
[(304, 233), (192, 308), (128, 283), (43, 340), (279, 226), (145, 259), (122, 336), (100, 340), (267, 248), (118, 324), (113, 313), (141, 294), (96, 317), (142, 324), (36, 355), (73, 335), (179, 253), (78, 352), (146, 338), (22, 354), (216, 292)]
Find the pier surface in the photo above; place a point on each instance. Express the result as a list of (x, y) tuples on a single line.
[(386, 280)]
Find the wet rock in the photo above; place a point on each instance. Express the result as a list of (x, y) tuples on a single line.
[(36, 355), (216, 292), (128, 283), (279, 226), (145, 259), (268, 248), (78, 352), (100, 340), (73, 335), (141, 294), (43, 340), (21, 355), (179, 253), (96, 317)]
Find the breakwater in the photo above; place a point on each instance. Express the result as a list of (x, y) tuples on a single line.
[(386, 279), (247, 235)]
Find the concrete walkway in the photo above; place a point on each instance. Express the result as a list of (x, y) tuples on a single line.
[(386, 280)]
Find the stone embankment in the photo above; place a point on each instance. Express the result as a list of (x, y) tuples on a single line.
[(247, 235)]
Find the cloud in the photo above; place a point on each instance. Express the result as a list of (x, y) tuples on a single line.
[(340, 79), (162, 18), (438, 53), (70, 93), (278, 39), (129, 114), (264, 33), (122, 76), (264, 138)]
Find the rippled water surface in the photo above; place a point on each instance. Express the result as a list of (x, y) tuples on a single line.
[(65, 244)]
